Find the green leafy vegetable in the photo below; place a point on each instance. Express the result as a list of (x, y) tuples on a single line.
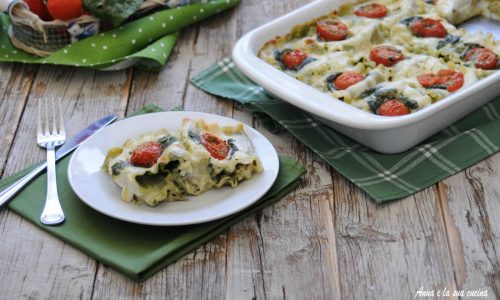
[(118, 167), (114, 11), (377, 97), (166, 141), (450, 39)]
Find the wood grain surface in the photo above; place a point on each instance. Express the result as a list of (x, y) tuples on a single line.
[(326, 240)]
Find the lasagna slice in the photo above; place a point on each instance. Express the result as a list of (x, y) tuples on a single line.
[(165, 166), (229, 153), (145, 168)]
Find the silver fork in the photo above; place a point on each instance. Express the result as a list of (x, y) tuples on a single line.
[(52, 212)]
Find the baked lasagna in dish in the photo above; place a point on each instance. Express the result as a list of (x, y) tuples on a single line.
[(389, 57), (168, 166), (458, 11)]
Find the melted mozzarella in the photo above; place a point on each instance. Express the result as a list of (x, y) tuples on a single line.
[(457, 11)]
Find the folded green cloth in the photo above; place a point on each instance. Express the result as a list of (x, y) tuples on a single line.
[(136, 250), (145, 43), (384, 177)]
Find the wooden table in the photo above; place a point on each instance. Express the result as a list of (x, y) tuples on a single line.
[(326, 240)]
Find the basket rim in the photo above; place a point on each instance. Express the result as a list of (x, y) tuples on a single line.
[(21, 7)]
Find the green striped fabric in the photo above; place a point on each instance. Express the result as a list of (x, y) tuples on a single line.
[(382, 176)]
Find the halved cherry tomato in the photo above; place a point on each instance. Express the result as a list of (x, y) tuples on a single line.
[(346, 79), (216, 146), (372, 10), (428, 28), (332, 30), (392, 108), (428, 80), (483, 58), (65, 9), (386, 55), (452, 79), (145, 155), (38, 8), (293, 59)]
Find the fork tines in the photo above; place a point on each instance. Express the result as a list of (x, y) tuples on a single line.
[(44, 131)]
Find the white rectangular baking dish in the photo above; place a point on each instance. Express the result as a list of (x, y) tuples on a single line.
[(383, 134)]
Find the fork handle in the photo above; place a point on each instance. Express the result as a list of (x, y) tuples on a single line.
[(52, 212), (9, 193)]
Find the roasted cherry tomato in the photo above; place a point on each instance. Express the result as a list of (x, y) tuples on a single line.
[(346, 79), (483, 58), (452, 79), (293, 59), (38, 8), (216, 146), (65, 9), (146, 155), (392, 108), (386, 55), (428, 28), (429, 80), (372, 10), (332, 30)]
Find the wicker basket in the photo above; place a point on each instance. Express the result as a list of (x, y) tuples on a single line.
[(31, 34)]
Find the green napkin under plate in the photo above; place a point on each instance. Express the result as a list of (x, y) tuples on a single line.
[(138, 251), (384, 177), (145, 43)]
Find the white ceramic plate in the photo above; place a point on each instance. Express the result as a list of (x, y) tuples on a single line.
[(97, 189)]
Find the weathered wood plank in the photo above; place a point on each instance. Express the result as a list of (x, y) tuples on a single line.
[(291, 246), (39, 266), (15, 84), (393, 250), (472, 214), (166, 88), (288, 250), (214, 41), (45, 267), (85, 95)]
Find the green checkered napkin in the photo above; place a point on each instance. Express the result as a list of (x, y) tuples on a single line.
[(384, 177), (136, 250), (145, 43)]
